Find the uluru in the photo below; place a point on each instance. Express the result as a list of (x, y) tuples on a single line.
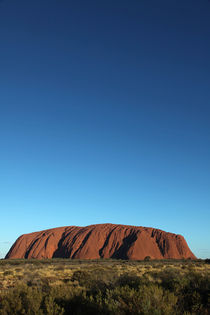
[(101, 241)]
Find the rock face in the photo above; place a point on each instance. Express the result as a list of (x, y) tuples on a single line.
[(101, 241)]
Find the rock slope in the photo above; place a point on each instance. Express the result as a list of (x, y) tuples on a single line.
[(101, 241)]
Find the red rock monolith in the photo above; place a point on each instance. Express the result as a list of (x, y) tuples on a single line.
[(101, 241)]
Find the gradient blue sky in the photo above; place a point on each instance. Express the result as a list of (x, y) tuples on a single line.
[(105, 116)]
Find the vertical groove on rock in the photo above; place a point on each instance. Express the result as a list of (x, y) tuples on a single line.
[(101, 251), (82, 244)]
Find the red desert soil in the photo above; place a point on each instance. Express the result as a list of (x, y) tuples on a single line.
[(101, 241)]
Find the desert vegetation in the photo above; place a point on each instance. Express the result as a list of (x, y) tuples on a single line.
[(64, 286)]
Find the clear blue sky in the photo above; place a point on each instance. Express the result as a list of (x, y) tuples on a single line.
[(105, 116)]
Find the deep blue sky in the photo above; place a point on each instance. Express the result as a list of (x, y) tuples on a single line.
[(105, 116)]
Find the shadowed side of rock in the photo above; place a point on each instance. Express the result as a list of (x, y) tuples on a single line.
[(101, 241)]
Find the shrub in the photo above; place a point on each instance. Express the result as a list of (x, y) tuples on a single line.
[(194, 295), (145, 300), (147, 258), (131, 280), (8, 273), (30, 301)]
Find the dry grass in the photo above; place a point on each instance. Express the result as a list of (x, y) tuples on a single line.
[(108, 287), (58, 271)]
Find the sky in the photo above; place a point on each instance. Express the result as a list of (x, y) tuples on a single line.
[(105, 116)]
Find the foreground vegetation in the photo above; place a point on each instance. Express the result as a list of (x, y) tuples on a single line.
[(104, 287)]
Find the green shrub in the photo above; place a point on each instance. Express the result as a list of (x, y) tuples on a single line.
[(8, 273), (194, 295), (147, 258), (131, 280), (145, 300), (30, 301)]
